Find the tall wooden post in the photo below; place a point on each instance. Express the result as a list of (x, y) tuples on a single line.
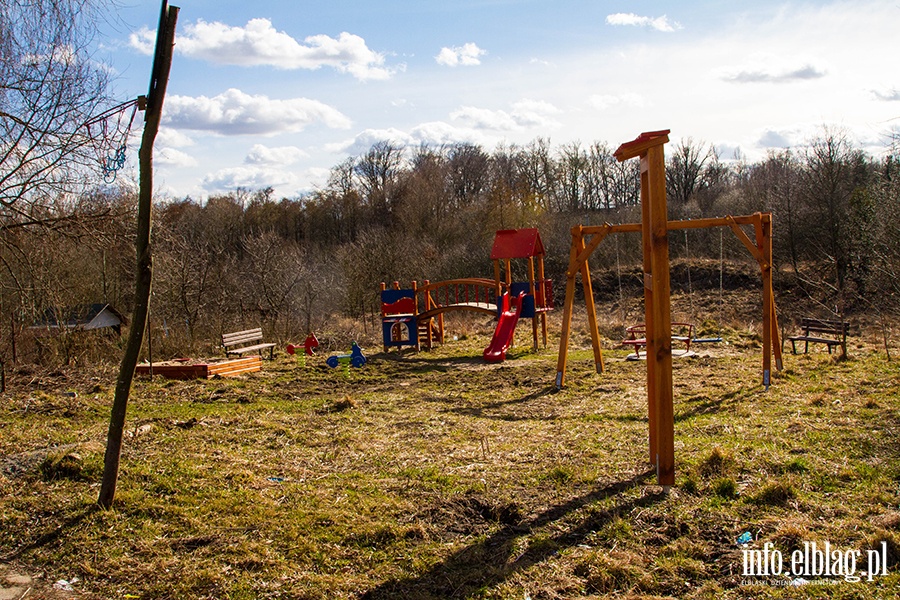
[(657, 302), (159, 77)]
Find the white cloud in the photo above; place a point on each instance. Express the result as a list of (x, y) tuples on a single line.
[(772, 69), (534, 113), (485, 118), (174, 158), (433, 133), (728, 151), (279, 156), (250, 177), (259, 43), (466, 55), (657, 23), (473, 125), (172, 138), (607, 101), (525, 114), (887, 94), (234, 112), (777, 139), (366, 138), (143, 40)]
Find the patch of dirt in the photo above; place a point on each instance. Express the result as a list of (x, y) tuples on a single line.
[(16, 585)]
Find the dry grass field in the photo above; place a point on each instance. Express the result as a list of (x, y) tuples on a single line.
[(436, 475)]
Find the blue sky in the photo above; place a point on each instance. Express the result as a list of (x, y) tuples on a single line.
[(276, 92)]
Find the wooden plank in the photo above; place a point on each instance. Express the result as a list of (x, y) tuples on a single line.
[(764, 247), (203, 370), (704, 223), (241, 340), (242, 334), (173, 371), (641, 144), (231, 368)]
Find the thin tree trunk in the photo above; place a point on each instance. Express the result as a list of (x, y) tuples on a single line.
[(144, 276)]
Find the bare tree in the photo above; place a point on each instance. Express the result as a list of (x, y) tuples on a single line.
[(377, 171), (685, 170), (833, 173), (49, 89)]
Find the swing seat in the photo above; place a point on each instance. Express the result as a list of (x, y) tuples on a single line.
[(637, 336)]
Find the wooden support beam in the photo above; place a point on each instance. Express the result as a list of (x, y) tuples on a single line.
[(659, 338), (647, 251), (567, 308), (597, 237), (591, 309), (533, 292)]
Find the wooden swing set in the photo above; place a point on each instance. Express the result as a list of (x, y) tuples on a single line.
[(654, 229)]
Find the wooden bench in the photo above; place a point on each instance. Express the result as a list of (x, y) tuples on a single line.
[(637, 336), (815, 329), (236, 343)]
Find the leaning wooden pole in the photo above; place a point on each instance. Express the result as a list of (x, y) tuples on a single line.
[(159, 79)]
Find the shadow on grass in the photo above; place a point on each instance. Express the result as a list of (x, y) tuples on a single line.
[(53, 535), (417, 358), (484, 411), (702, 405), (492, 560)]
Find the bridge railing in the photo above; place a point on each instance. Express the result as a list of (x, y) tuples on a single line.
[(470, 293)]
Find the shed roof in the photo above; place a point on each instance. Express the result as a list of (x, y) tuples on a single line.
[(81, 316), (517, 243)]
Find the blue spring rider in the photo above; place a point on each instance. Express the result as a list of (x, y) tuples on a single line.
[(355, 358)]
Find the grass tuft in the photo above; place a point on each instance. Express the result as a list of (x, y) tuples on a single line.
[(717, 463), (777, 493)]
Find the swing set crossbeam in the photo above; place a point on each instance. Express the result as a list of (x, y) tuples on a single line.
[(587, 238)]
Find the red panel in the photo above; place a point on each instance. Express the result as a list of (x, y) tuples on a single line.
[(403, 306), (517, 243)]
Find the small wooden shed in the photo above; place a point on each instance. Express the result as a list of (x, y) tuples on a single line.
[(83, 317)]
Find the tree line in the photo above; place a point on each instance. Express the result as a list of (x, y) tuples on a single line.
[(292, 265)]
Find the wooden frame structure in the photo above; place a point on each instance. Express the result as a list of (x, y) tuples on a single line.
[(403, 324), (654, 229)]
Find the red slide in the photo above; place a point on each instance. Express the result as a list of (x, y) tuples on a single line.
[(506, 329)]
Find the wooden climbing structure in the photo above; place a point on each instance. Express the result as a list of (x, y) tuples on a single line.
[(414, 316)]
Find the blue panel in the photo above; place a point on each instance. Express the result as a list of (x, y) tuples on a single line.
[(391, 296), (518, 287)]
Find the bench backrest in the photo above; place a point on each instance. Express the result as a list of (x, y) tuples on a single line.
[(242, 337), (825, 326)]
